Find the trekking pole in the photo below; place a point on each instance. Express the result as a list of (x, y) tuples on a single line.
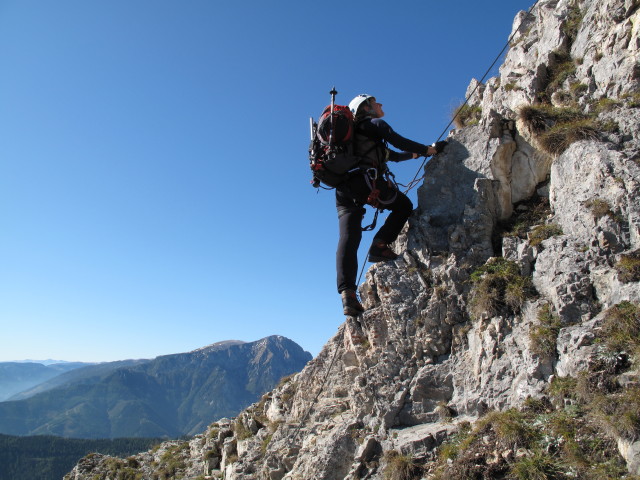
[(333, 94)]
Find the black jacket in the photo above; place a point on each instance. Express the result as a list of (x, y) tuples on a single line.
[(371, 139)]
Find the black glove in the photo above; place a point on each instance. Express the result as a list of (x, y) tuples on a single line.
[(439, 146)]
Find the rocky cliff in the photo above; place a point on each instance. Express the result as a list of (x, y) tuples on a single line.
[(504, 342)]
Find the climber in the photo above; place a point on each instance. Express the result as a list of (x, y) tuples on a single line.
[(371, 185)]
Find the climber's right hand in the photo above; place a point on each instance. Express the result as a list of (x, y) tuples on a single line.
[(439, 146)]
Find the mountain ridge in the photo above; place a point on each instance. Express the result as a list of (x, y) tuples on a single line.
[(168, 396), (16, 377)]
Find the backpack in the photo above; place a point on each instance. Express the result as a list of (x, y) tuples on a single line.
[(332, 154)]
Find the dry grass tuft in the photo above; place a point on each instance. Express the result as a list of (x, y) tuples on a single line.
[(599, 208), (628, 267), (400, 467), (620, 331), (543, 232), (466, 115), (498, 287), (544, 336), (560, 136)]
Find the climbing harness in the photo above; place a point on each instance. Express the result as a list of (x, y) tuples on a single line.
[(417, 180), (371, 177)]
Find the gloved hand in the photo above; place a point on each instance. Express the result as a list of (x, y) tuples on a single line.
[(439, 146)]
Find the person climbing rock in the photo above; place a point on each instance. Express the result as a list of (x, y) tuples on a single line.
[(372, 185)]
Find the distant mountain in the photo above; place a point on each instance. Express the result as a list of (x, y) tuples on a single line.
[(48, 362), (18, 376), (169, 396), (87, 373)]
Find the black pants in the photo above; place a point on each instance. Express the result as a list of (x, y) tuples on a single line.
[(350, 201)]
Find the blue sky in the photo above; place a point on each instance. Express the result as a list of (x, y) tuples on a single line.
[(154, 182)]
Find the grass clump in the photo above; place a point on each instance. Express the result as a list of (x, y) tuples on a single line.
[(628, 267), (241, 431), (400, 467), (498, 288), (541, 117), (544, 336), (510, 427), (632, 100), (512, 86), (573, 20), (540, 466), (545, 444), (620, 412), (559, 73), (606, 105), (284, 380), (467, 115), (578, 88), (556, 128), (526, 215), (563, 388), (599, 208), (559, 137), (620, 332), (542, 232)]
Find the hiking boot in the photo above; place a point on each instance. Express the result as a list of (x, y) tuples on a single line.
[(350, 304), (380, 252)]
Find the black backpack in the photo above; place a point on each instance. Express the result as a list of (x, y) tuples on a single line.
[(332, 154)]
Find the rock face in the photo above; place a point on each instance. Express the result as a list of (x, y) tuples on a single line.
[(433, 349)]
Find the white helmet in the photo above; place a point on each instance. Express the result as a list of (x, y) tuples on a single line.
[(357, 101)]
